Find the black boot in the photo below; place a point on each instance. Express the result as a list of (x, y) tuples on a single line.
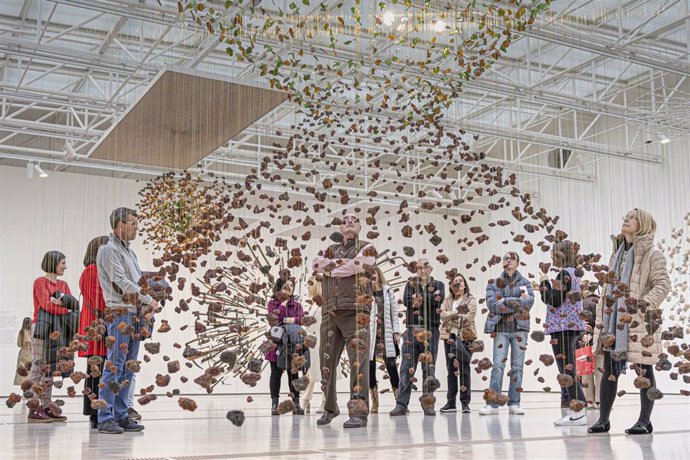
[(93, 420), (274, 406), (327, 417), (298, 410)]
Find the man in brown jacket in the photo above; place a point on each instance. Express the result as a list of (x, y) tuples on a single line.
[(347, 301)]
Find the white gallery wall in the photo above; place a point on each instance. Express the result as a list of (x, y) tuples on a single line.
[(64, 211)]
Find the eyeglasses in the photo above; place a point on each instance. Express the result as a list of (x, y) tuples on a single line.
[(629, 217)]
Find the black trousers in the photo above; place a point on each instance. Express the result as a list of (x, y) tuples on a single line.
[(411, 349), (274, 381), (464, 372), (92, 384), (566, 346), (391, 368), (609, 391)]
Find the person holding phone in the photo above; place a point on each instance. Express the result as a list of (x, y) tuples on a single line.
[(283, 308), (509, 299), (47, 289)]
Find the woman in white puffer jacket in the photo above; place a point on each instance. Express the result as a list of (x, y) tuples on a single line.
[(384, 336)]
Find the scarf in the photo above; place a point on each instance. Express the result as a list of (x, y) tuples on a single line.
[(610, 320)]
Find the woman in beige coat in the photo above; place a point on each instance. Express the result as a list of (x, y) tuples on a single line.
[(628, 327), (24, 344), (458, 311)]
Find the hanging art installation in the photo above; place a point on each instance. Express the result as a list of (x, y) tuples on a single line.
[(398, 100)]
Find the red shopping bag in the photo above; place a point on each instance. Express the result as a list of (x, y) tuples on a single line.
[(584, 360)]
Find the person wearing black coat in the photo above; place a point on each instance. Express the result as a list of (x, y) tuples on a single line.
[(422, 298)]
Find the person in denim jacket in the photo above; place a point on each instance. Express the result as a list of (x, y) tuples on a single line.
[(509, 299)]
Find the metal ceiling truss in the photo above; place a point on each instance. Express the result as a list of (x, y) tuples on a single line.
[(68, 82)]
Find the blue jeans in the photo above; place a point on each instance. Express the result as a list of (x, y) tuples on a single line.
[(117, 403), (132, 390), (517, 362), (410, 357)]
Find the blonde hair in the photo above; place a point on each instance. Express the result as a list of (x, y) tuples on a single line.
[(646, 221), (314, 288)]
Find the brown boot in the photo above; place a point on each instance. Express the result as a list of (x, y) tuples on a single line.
[(38, 416), (374, 392), (55, 418)]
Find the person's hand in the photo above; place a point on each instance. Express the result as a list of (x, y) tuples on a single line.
[(588, 328), (397, 337), (417, 300), (55, 301), (289, 320), (524, 296), (586, 338)]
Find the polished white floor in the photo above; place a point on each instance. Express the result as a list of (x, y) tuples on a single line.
[(206, 434)]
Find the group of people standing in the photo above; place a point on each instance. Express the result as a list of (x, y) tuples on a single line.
[(109, 282), (354, 288), (359, 315)]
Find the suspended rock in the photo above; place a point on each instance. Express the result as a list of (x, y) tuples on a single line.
[(236, 417)]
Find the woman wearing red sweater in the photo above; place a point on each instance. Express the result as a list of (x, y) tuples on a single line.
[(93, 305), (54, 265)]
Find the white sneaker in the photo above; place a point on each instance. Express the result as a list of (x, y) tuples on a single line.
[(516, 410), (572, 419), (488, 410)]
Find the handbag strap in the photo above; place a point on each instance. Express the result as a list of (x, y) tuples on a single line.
[(95, 313), (83, 301)]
